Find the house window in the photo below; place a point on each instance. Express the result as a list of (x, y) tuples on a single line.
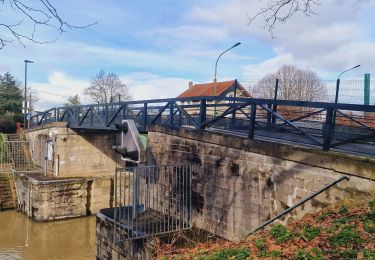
[(230, 95)]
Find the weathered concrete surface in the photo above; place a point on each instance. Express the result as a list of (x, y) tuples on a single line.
[(76, 154), (239, 183), (139, 249), (46, 200)]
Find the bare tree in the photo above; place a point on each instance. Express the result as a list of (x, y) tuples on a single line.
[(32, 14), (107, 88), (294, 84), (279, 11)]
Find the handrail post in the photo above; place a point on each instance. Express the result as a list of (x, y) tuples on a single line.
[(202, 113), (145, 117), (171, 105), (124, 107), (252, 120), (328, 128), (269, 115), (91, 115), (275, 98), (179, 118), (106, 111)]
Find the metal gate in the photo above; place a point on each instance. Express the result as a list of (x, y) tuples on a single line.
[(151, 200)]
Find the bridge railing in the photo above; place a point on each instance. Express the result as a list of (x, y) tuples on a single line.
[(327, 125)]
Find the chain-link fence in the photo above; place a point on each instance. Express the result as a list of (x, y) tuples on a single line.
[(354, 91)]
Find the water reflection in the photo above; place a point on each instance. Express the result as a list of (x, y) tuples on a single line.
[(22, 238)]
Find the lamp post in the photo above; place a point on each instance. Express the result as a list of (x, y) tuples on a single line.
[(338, 82), (337, 95), (25, 106), (215, 79)]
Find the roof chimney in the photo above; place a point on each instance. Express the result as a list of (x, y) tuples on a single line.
[(190, 84)]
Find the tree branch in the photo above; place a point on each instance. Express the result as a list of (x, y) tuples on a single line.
[(44, 15), (279, 11)]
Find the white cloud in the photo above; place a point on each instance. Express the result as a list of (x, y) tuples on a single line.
[(328, 42), (150, 86), (58, 88)]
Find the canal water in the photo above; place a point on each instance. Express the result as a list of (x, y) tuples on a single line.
[(22, 238)]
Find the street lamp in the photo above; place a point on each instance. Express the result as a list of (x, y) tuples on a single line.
[(338, 82), (215, 79), (25, 106)]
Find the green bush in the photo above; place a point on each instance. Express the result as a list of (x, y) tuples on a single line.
[(346, 237), (310, 232), (280, 233)]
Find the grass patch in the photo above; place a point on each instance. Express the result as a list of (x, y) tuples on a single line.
[(238, 254), (274, 254), (314, 254), (261, 246), (346, 237), (343, 209), (369, 225), (325, 214), (369, 254), (371, 204), (310, 232), (348, 254), (342, 221), (280, 233)]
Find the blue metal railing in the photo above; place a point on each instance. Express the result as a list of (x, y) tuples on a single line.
[(327, 125)]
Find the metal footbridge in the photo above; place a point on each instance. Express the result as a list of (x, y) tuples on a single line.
[(345, 127)]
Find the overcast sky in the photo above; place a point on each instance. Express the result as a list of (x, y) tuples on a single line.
[(157, 47)]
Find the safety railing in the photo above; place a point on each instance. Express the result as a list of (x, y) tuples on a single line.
[(327, 125), (24, 156), (151, 200)]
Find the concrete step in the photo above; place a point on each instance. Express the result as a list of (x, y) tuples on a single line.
[(7, 192)]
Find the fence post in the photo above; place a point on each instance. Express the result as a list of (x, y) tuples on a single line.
[(327, 129), (202, 113), (171, 106), (145, 116), (252, 120)]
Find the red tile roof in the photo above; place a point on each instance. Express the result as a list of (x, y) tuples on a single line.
[(207, 89)]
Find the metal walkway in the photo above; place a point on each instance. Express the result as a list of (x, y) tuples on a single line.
[(346, 127)]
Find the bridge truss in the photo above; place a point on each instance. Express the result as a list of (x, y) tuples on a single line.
[(346, 127)]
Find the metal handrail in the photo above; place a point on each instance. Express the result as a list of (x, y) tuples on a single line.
[(307, 198)]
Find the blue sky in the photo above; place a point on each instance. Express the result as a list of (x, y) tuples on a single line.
[(157, 47)]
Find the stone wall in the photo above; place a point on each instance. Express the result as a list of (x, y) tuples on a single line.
[(139, 249), (75, 154), (239, 183), (46, 200)]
